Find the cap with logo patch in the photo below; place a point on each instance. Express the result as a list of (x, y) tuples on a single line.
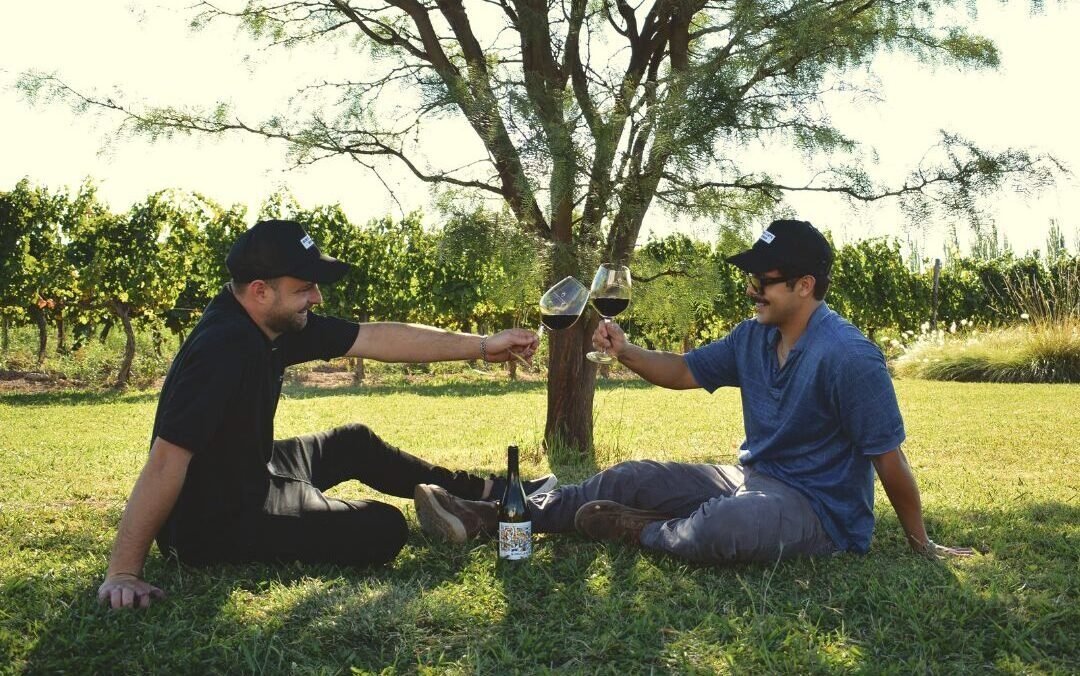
[(279, 248), (795, 245)]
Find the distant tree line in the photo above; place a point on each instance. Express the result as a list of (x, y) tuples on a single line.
[(74, 269)]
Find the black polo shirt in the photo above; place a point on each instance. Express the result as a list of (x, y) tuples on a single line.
[(218, 401)]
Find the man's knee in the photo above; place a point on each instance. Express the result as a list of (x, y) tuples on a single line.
[(725, 530), (628, 470), (358, 433), (383, 535)]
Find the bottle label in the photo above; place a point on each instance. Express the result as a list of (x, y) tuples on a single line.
[(515, 540)]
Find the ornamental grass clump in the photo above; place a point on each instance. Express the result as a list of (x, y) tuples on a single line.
[(1041, 345)]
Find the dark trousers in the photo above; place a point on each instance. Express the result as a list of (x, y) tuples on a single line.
[(299, 523)]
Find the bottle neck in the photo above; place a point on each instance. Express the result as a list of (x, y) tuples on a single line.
[(511, 463)]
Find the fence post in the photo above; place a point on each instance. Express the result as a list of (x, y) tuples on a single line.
[(934, 294)]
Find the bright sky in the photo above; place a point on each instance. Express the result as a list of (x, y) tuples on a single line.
[(147, 53)]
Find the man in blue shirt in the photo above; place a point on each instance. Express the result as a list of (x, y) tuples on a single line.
[(820, 416)]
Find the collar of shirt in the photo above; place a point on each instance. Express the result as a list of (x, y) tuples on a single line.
[(807, 337)]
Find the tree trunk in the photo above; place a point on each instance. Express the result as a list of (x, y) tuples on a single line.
[(934, 294), (123, 312), (571, 384), (511, 368), (5, 339), (43, 335), (61, 334), (358, 363)]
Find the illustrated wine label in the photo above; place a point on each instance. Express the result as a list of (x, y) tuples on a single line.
[(515, 540)]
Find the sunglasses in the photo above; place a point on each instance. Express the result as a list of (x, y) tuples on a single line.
[(759, 282)]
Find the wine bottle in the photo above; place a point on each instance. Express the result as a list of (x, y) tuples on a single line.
[(515, 526)]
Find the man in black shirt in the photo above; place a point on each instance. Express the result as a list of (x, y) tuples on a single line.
[(217, 487)]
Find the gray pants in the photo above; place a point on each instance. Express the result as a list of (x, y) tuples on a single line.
[(722, 513)]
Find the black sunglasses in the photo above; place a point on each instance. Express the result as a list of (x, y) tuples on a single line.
[(759, 282)]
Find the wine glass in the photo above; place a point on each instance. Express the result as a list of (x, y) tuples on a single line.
[(562, 304), (610, 296)]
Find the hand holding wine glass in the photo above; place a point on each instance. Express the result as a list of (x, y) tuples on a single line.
[(610, 295), (609, 338), (561, 305)]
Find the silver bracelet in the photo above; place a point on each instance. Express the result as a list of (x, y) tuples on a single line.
[(483, 348)]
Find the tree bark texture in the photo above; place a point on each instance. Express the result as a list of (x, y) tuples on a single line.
[(61, 333), (43, 334), (123, 312), (571, 384)]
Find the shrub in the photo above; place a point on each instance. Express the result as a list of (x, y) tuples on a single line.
[(1036, 353)]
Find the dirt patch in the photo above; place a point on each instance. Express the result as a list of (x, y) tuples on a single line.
[(323, 378), (22, 382), (34, 381)]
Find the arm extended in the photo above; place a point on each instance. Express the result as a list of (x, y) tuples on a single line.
[(396, 342), (151, 501), (899, 484), (665, 369)]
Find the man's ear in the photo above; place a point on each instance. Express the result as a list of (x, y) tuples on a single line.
[(261, 291), (806, 285)]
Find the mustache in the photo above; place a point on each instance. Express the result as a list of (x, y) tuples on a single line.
[(758, 299)]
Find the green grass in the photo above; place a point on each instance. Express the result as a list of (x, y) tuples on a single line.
[(998, 467), (1040, 353)]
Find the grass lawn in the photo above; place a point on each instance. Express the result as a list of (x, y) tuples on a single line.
[(999, 467)]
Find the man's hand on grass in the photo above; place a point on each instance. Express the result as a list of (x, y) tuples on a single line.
[(125, 590), (934, 551)]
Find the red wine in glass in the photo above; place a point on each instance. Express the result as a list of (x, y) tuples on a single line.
[(558, 322), (610, 296)]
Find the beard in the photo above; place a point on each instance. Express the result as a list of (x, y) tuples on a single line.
[(287, 322)]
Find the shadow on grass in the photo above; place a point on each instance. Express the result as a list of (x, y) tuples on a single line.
[(448, 389), (585, 607), (77, 397)]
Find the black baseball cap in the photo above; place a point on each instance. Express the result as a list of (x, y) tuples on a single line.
[(281, 248), (795, 245)]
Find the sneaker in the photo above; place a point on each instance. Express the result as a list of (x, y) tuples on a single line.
[(544, 484), (446, 517), (607, 520)]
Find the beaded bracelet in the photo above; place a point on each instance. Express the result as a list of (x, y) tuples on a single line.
[(483, 348)]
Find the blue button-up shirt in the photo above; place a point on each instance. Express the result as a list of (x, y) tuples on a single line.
[(815, 422)]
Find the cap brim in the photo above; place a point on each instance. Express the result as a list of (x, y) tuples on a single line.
[(754, 261), (321, 270)]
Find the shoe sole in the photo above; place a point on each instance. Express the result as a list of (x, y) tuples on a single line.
[(546, 487), (434, 519), (583, 514)]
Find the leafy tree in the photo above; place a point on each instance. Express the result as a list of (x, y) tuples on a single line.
[(1055, 242), (126, 268), (588, 112), (676, 282), (490, 271), (35, 281), (199, 237), (16, 214), (873, 287)]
